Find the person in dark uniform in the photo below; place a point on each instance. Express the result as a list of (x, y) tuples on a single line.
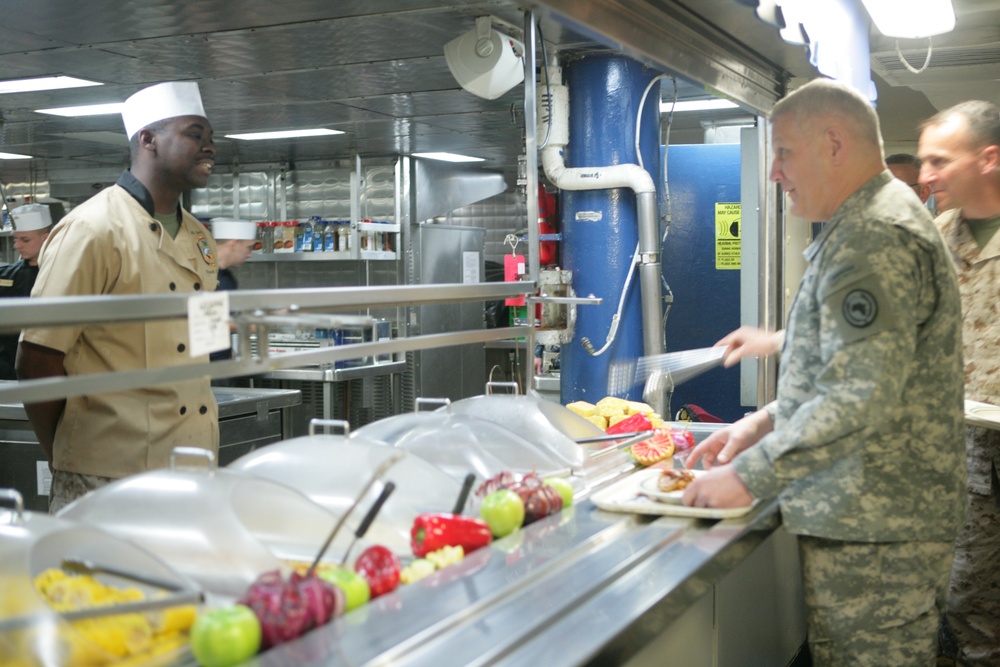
[(235, 239), (31, 223)]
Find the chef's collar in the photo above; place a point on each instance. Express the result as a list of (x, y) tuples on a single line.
[(139, 192)]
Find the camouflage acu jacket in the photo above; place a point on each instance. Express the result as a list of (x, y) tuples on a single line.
[(868, 440)]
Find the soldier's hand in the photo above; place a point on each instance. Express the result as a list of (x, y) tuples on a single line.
[(750, 342), (723, 445), (720, 487)]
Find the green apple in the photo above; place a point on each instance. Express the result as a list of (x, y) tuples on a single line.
[(503, 511), (564, 488), (225, 636), (355, 586)]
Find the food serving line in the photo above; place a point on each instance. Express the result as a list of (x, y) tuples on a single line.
[(600, 581)]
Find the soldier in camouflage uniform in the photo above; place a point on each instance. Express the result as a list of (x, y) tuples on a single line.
[(863, 444), (961, 152)]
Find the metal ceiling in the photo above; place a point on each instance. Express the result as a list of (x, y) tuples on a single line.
[(374, 69)]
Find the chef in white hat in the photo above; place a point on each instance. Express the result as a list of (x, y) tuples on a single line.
[(235, 239), (31, 224), (132, 238)]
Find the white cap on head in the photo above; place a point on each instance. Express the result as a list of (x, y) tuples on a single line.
[(224, 229), (159, 102), (31, 217)]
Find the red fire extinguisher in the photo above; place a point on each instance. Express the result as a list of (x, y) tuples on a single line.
[(547, 216)]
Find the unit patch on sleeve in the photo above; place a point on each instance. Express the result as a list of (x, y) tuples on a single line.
[(860, 308)]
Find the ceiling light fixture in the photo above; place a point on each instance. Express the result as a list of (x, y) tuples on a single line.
[(86, 110), (14, 156), (284, 134), (484, 61), (697, 105), (44, 83), (911, 19), (449, 157)]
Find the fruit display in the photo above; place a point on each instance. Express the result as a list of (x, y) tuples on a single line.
[(225, 636), (509, 502), (289, 608), (655, 449), (431, 532), (380, 568), (610, 410), (420, 568), (503, 511), (109, 639)]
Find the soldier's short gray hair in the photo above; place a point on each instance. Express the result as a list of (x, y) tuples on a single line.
[(824, 97), (982, 118)]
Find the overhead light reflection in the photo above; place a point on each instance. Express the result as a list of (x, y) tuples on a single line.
[(697, 105)]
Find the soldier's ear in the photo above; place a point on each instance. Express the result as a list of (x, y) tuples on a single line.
[(990, 157)]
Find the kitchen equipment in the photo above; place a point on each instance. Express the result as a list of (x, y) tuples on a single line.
[(220, 527), (459, 443), (331, 469)]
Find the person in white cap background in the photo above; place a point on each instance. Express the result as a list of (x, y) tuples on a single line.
[(131, 238), (235, 239), (31, 224)]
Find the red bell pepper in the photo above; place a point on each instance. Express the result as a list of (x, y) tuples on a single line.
[(380, 567), (632, 424), (431, 532)]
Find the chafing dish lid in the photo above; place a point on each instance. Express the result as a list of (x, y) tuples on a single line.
[(332, 470)]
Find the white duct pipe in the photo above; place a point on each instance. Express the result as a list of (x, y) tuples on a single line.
[(553, 127)]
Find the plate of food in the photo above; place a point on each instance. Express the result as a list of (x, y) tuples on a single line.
[(669, 485)]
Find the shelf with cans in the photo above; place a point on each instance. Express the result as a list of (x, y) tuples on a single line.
[(321, 239)]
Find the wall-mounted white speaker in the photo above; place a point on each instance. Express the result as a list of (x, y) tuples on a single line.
[(484, 61)]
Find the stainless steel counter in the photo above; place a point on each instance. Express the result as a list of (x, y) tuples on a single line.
[(248, 418), (587, 587)]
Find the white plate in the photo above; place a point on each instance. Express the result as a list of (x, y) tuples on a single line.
[(984, 415), (625, 495), (651, 488)]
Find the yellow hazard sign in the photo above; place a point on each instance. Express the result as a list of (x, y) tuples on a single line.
[(727, 235)]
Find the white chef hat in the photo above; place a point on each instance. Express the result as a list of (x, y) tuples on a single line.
[(224, 229), (31, 217), (159, 102)]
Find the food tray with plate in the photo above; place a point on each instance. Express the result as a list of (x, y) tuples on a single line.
[(985, 415), (629, 495)]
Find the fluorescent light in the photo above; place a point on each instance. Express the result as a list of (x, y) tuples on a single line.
[(911, 18), (14, 156), (44, 83), (86, 110), (697, 105), (284, 134), (449, 157)]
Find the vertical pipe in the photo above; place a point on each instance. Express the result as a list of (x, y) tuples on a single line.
[(531, 185), (769, 302), (600, 226)]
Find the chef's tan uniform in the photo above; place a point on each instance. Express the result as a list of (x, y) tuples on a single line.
[(112, 244)]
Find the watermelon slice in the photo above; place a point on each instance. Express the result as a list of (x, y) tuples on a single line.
[(655, 449)]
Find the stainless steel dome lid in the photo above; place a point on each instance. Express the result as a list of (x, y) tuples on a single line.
[(222, 528), (333, 469), (460, 444), (548, 425)]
